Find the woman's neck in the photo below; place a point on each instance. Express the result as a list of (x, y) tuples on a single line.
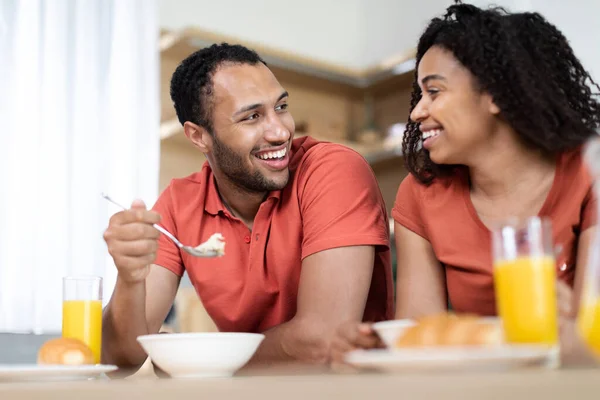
[(500, 173)]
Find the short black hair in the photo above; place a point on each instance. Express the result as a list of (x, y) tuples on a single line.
[(191, 84), (526, 65)]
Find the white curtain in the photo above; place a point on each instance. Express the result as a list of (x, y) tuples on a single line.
[(79, 115)]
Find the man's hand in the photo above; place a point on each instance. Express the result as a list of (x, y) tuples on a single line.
[(132, 241), (351, 336)]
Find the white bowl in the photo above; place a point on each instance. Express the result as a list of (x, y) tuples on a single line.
[(201, 355), (389, 331)]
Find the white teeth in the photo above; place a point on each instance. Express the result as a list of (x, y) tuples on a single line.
[(273, 154), (431, 133)]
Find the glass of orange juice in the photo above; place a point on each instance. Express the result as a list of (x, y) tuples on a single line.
[(588, 318), (525, 283), (82, 311)]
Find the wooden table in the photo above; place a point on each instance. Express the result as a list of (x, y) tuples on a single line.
[(311, 383)]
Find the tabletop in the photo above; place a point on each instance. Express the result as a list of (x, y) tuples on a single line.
[(300, 382)]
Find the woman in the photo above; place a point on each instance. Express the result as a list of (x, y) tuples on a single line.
[(500, 110)]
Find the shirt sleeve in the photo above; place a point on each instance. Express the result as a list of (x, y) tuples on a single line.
[(406, 209), (168, 255), (340, 201)]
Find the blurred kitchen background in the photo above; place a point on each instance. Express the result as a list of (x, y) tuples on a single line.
[(85, 109)]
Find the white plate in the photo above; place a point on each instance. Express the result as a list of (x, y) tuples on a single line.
[(34, 372), (450, 358), (389, 331)]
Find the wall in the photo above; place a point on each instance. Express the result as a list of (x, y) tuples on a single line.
[(393, 26), (178, 158), (17, 348), (329, 31), (360, 33), (577, 19)]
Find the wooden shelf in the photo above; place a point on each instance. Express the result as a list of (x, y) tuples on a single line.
[(179, 44)]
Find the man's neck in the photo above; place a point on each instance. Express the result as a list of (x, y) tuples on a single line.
[(241, 203)]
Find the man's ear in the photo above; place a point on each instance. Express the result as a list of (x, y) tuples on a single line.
[(199, 136)]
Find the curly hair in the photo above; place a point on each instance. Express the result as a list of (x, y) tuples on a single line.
[(526, 65), (191, 84)]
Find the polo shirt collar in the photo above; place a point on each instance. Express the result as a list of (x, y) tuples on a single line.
[(213, 204)]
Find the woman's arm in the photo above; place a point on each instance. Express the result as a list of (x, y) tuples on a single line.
[(420, 278), (583, 252)]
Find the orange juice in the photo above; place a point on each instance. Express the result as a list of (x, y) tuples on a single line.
[(589, 323), (526, 299), (82, 319)]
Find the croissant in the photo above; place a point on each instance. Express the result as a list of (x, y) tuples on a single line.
[(450, 330)]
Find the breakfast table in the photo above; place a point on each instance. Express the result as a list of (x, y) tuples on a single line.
[(291, 382), (578, 377)]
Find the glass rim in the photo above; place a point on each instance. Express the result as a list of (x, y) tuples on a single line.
[(519, 222)]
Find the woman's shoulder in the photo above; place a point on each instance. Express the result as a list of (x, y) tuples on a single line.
[(572, 165), (427, 207), (451, 184)]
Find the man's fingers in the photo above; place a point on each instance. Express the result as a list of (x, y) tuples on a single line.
[(359, 335), (130, 264), (138, 203), (135, 248), (132, 231), (135, 215)]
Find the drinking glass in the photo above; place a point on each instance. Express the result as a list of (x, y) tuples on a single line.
[(588, 318), (82, 311), (525, 283)]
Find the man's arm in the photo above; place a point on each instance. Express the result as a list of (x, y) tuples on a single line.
[(131, 313), (343, 220), (333, 289), (143, 293)]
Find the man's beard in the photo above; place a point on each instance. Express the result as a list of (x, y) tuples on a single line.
[(232, 165)]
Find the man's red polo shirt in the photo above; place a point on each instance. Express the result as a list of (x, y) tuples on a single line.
[(332, 200)]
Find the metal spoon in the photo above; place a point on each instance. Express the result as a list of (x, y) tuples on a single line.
[(188, 249)]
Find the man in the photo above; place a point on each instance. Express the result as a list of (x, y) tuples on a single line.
[(305, 226)]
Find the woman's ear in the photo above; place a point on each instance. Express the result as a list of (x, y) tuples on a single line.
[(492, 107)]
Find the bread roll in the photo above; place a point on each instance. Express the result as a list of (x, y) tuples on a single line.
[(65, 351), (450, 330), (426, 332)]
